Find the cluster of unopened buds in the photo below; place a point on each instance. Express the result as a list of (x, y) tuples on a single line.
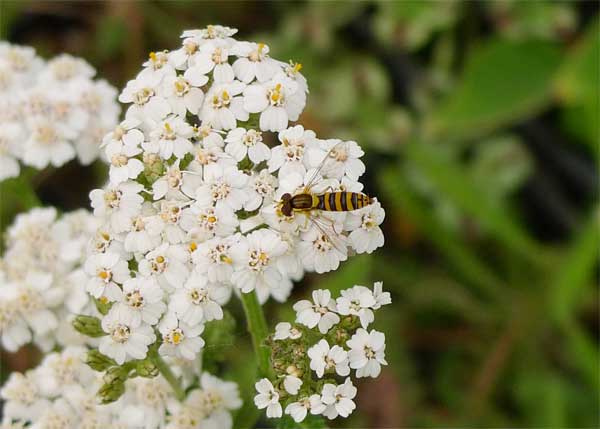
[(51, 111), (193, 209), (60, 393), (314, 358)]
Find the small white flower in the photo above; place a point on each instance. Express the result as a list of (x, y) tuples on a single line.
[(48, 144), (268, 398), (199, 300), (213, 57), (223, 188), (365, 235), (261, 189), (215, 259), (157, 66), (119, 203), (179, 338), (292, 384), (344, 158), (105, 271), (284, 330), (367, 352), (166, 222), (339, 399), (168, 263), (170, 137), (323, 358), (125, 339), (321, 312), (209, 157), (183, 95), (216, 399), (203, 223), (123, 164), (255, 259), (13, 327), (22, 398), (381, 298), (10, 150), (288, 157), (176, 184), (322, 252), (357, 301), (276, 101), (299, 409), (254, 62), (147, 107), (223, 106), (138, 239), (143, 298), (125, 134), (241, 141)]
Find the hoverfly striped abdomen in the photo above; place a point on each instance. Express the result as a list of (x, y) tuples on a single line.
[(342, 201)]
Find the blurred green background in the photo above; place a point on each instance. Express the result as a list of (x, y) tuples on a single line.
[(480, 125)]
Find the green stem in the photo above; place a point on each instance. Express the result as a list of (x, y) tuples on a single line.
[(166, 372), (257, 326)]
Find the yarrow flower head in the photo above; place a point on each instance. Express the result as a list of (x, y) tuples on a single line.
[(60, 393), (52, 111), (313, 366), (200, 202), (42, 278)]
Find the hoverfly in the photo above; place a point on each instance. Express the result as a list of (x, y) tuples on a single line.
[(308, 202)]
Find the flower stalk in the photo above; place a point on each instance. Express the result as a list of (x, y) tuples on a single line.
[(166, 372), (257, 326)]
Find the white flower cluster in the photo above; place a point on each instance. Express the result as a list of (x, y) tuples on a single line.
[(41, 278), (193, 209), (60, 394), (51, 111), (311, 358)]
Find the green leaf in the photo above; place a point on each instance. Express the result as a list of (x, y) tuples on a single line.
[(111, 37), (503, 81), (575, 271), (577, 86), (493, 215), (465, 262), (506, 156)]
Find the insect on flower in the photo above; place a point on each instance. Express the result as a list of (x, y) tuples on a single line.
[(311, 203)]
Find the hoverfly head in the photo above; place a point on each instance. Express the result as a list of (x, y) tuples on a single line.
[(286, 204)]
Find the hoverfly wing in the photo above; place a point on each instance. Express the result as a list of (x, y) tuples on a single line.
[(321, 167), (328, 228)]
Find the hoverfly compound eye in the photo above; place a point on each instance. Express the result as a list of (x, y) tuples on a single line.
[(286, 209), (286, 197)]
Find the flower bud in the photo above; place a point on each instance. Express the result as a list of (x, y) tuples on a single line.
[(110, 392), (145, 368), (98, 361), (88, 325), (116, 374)]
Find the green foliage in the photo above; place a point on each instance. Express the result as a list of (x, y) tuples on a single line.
[(577, 85), (503, 82), (219, 336)]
